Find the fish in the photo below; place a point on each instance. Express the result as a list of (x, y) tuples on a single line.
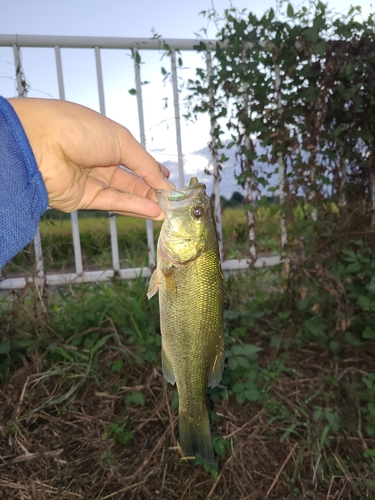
[(189, 281)]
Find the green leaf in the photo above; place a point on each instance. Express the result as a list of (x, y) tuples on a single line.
[(271, 14), (137, 58), (243, 362), (238, 387), (371, 408), (117, 365), (132, 91), (245, 350), (370, 429), (364, 302), (135, 397), (350, 256), (320, 47), (232, 363), (5, 347), (304, 304), (62, 352), (368, 333), (312, 34), (240, 398), (351, 339), (371, 287), (290, 10), (221, 446), (252, 394), (99, 343), (353, 268), (317, 326), (369, 483)]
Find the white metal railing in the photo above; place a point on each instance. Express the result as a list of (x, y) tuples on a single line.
[(134, 45)]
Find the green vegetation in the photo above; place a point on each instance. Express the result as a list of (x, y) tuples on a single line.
[(58, 251), (56, 233), (298, 390)]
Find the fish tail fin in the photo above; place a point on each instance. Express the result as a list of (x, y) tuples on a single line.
[(195, 439)]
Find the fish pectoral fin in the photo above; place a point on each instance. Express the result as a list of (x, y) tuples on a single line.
[(153, 287), (216, 372), (167, 367), (167, 269)]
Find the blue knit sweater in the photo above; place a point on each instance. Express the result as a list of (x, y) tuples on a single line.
[(23, 196)]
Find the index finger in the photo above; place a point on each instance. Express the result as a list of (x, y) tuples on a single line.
[(141, 163)]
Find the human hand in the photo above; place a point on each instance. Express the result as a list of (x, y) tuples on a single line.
[(79, 153)]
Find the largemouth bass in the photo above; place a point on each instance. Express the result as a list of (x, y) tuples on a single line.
[(189, 280)]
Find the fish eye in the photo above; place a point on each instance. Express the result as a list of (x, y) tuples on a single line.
[(198, 211)]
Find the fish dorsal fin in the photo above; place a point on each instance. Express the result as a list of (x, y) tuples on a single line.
[(216, 372), (167, 367)]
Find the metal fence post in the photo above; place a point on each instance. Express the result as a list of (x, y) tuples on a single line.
[(281, 163), (112, 217), (73, 215), (181, 179), (215, 162), (22, 92), (141, 120)]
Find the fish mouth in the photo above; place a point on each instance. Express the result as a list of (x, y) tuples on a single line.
[(178, 199)]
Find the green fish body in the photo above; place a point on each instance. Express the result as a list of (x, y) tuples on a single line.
[(189, 280)]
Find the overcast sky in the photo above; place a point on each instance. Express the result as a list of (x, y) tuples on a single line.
[(171, 18), (124, 18)]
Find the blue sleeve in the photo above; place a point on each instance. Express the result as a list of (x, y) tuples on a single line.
[(23, 196)]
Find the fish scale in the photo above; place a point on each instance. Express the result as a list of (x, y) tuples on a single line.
[(189, 281), (179, 321)]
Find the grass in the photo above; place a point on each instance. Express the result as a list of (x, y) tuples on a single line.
[(58, 250), (86, 413)]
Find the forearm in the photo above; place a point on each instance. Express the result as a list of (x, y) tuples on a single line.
[(23, 196)]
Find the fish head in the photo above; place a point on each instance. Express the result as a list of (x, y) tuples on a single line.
[(188, 221)]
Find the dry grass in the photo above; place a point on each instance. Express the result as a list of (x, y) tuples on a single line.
[(58, 452)]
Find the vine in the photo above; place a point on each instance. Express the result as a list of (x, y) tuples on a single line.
[(294, 91)]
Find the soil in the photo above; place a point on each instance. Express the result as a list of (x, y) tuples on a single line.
[(52, 446)]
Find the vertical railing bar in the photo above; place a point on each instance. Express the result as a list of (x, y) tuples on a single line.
[(138, 87), (176, 105), (60, 77), (74, 215), (142, 133), (215, 162), (112, 218), (250, 192), (99, 73), (39, 254), (281, 163), (21, 84), (22, 92), (76, 242)]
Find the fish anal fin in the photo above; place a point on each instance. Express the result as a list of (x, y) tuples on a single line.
[(167, 368), (216, 372), (153, 287)]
